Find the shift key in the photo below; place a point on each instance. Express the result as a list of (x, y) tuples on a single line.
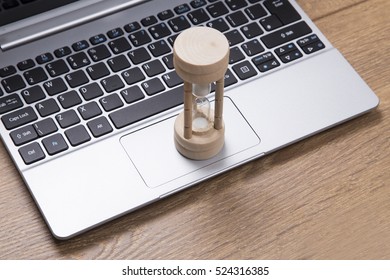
[(19, 117)]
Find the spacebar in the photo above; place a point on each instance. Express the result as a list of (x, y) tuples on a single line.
[(147, 107)]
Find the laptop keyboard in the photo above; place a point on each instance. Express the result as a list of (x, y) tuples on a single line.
[(67, 97)]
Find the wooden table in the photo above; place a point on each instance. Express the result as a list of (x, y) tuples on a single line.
[(327, 197)]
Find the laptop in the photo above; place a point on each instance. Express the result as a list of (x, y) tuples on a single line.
[(89, 96)]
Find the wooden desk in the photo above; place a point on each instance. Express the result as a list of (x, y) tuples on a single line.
[(327, 197)]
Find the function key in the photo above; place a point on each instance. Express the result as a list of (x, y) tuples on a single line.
[(61, 52), (115, 33), (165, 15), (97, 39), (181, 9), (236, 4), (149, 20), (54, 144), (80, 45), (26, 64), (197, 3), (6, 71), (132, 27), (43, 58)]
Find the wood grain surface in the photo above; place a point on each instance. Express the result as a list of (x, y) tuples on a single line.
[(326, 197)]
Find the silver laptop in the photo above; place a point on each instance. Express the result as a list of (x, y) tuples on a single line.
[(89, 96)]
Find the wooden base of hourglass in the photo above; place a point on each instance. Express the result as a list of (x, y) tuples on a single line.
[(202, 145)]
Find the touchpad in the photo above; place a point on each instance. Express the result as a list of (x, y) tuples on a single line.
[(152, 150)]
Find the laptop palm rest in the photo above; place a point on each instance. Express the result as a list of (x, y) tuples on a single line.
[(154, 155)]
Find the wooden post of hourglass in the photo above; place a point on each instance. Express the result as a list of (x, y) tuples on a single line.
[(200, 57)]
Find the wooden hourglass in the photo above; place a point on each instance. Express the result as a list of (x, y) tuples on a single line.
[(200, 57)]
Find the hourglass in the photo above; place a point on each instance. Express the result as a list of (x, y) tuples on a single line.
[(200, 57)]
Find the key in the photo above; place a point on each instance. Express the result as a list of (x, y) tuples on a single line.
[(111, 102), (252, 47), (19, 118), (7, 71), (168, 61), (159, 48), (33, 94), (76, 79), (179, 23), (45, 127), (133, 75), (54, 144), (44, 58), (164, 15), (77, 135), (235, 55), (23, 135), (286, 34), (139, 38), (147, 108), (153, 86), (112, 83), (218, 9), (270, 23), (219, 24), (47, 107), (78, 60), (236, 4), (171, 79), (25, 64), (35, 75), (69, 99), (251, 30), (91, 91), (283, 10), (67, 118), (291, 56), (55, 86), (153, 68), (31, 153), (118, 63), (244, 70), (98, 71), (99, 127), (255, 12), (197, 3), (57, 68), (115, 33), (181, 9), (132, 94), (132, 27), (13, 83), (147, 21), (98, 53), (61, 52), (119, 45), (234, 37), (198, 16), (159, 31), (139, 55), (80, 45), (97, 39), (237, 18), (9, 103), (89, 110)]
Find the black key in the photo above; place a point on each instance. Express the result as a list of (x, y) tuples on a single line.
[(218, 9), (197, 3), (69, 99), (98, 71), (133, 75), (119, 45), (168, 61), (229, 80), (308, 40), (61, 52), (89, 110), (181, 9), (244, 70), (35, 75), (10, 4), (115, 33), (263, 58), (98, 39), (251, 30), (80, 45), (164, 15), (139, 38), (31, 153), (55, 144), (219, 24), (57, 68), (19, 118), (45, 127), (285, 49), (147, 108), (133, 26), (172, 39), (255, 12), (283, 10), (132, 94), (118, 63), (270, 23), (7, 71), (198, 16), (1, 92), (112, 83), (268, 65), (55, 86), (98, 53), (78, 60), (26, 64), (159, 48), (291, 56), (252, 47), (179, 23), (237, 18), (33, 94), (147, 21), (111, 102), (23, 135), (139, 55), (67, 118), (159, 31), (91, 91), (234, 37), (47, 107), (9, 103), (286, 34), (311, 48), (153, 68), (171, 79), (99, 127), (13, 83), (236, 4), (77, 135), (153, 86), (44, 58), (235, 55), (77, 78)]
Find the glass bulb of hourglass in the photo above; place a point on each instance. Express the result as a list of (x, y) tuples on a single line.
[(201, 107)]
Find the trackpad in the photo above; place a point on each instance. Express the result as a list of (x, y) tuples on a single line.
[(152, 150)]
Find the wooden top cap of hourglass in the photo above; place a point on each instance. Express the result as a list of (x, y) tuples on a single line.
[(201, 55)]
